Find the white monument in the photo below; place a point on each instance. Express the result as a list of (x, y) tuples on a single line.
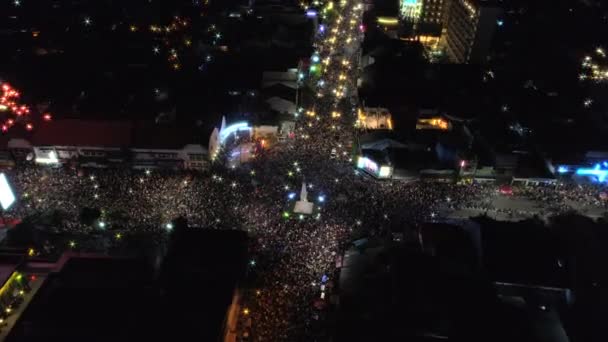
[(303, 206), (223, 125)]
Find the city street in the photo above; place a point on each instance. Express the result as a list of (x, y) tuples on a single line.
[(294, 257)]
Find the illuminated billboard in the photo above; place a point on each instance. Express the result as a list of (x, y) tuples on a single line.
[(7, 197), (367, 164), (385, 171), (44, 157), (373, 168)]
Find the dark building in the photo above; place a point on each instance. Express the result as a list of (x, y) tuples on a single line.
[(92, 299), (198, 279), (100, 298), (469, 29)]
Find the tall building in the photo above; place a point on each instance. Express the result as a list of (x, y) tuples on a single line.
[(432, 12), (410, 10), (426, 15), (470, 25)]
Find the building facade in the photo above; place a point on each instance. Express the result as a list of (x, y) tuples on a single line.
[(112, 144), (427, 16), (432, 11), (470, 25)]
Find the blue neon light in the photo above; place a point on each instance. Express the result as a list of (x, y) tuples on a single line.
[(321, 198), (291, 195), (239, 126), (562, 169), (596, 171)]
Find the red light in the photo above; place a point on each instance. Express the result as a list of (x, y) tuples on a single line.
[(506, 190), (10, 121), (4, 128), (47, 117), (32, 277), (29, 126), (463, 163), (5, 87)]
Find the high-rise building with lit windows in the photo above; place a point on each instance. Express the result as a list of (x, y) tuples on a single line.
[(425, 15), (468, 30), (424, 11), (432, 12), (411, 10)]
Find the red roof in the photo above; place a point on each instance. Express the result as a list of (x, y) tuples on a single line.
[(74, 132), (147, 134), (116, 134)]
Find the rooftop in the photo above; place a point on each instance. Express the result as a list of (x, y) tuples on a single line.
[(199, 277), (73, 132), (91, 299), (114, 134), (101, 298)]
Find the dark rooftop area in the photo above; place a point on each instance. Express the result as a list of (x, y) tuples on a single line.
[(100, 298), (92, 299), (200, 273)]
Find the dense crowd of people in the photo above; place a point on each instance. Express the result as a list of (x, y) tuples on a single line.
[(291, 253)]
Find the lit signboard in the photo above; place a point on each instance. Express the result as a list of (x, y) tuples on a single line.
[(7, 197), (372, 167), (385, 171), (367, 164), (433, 123), (51, 158), (387, 21)]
